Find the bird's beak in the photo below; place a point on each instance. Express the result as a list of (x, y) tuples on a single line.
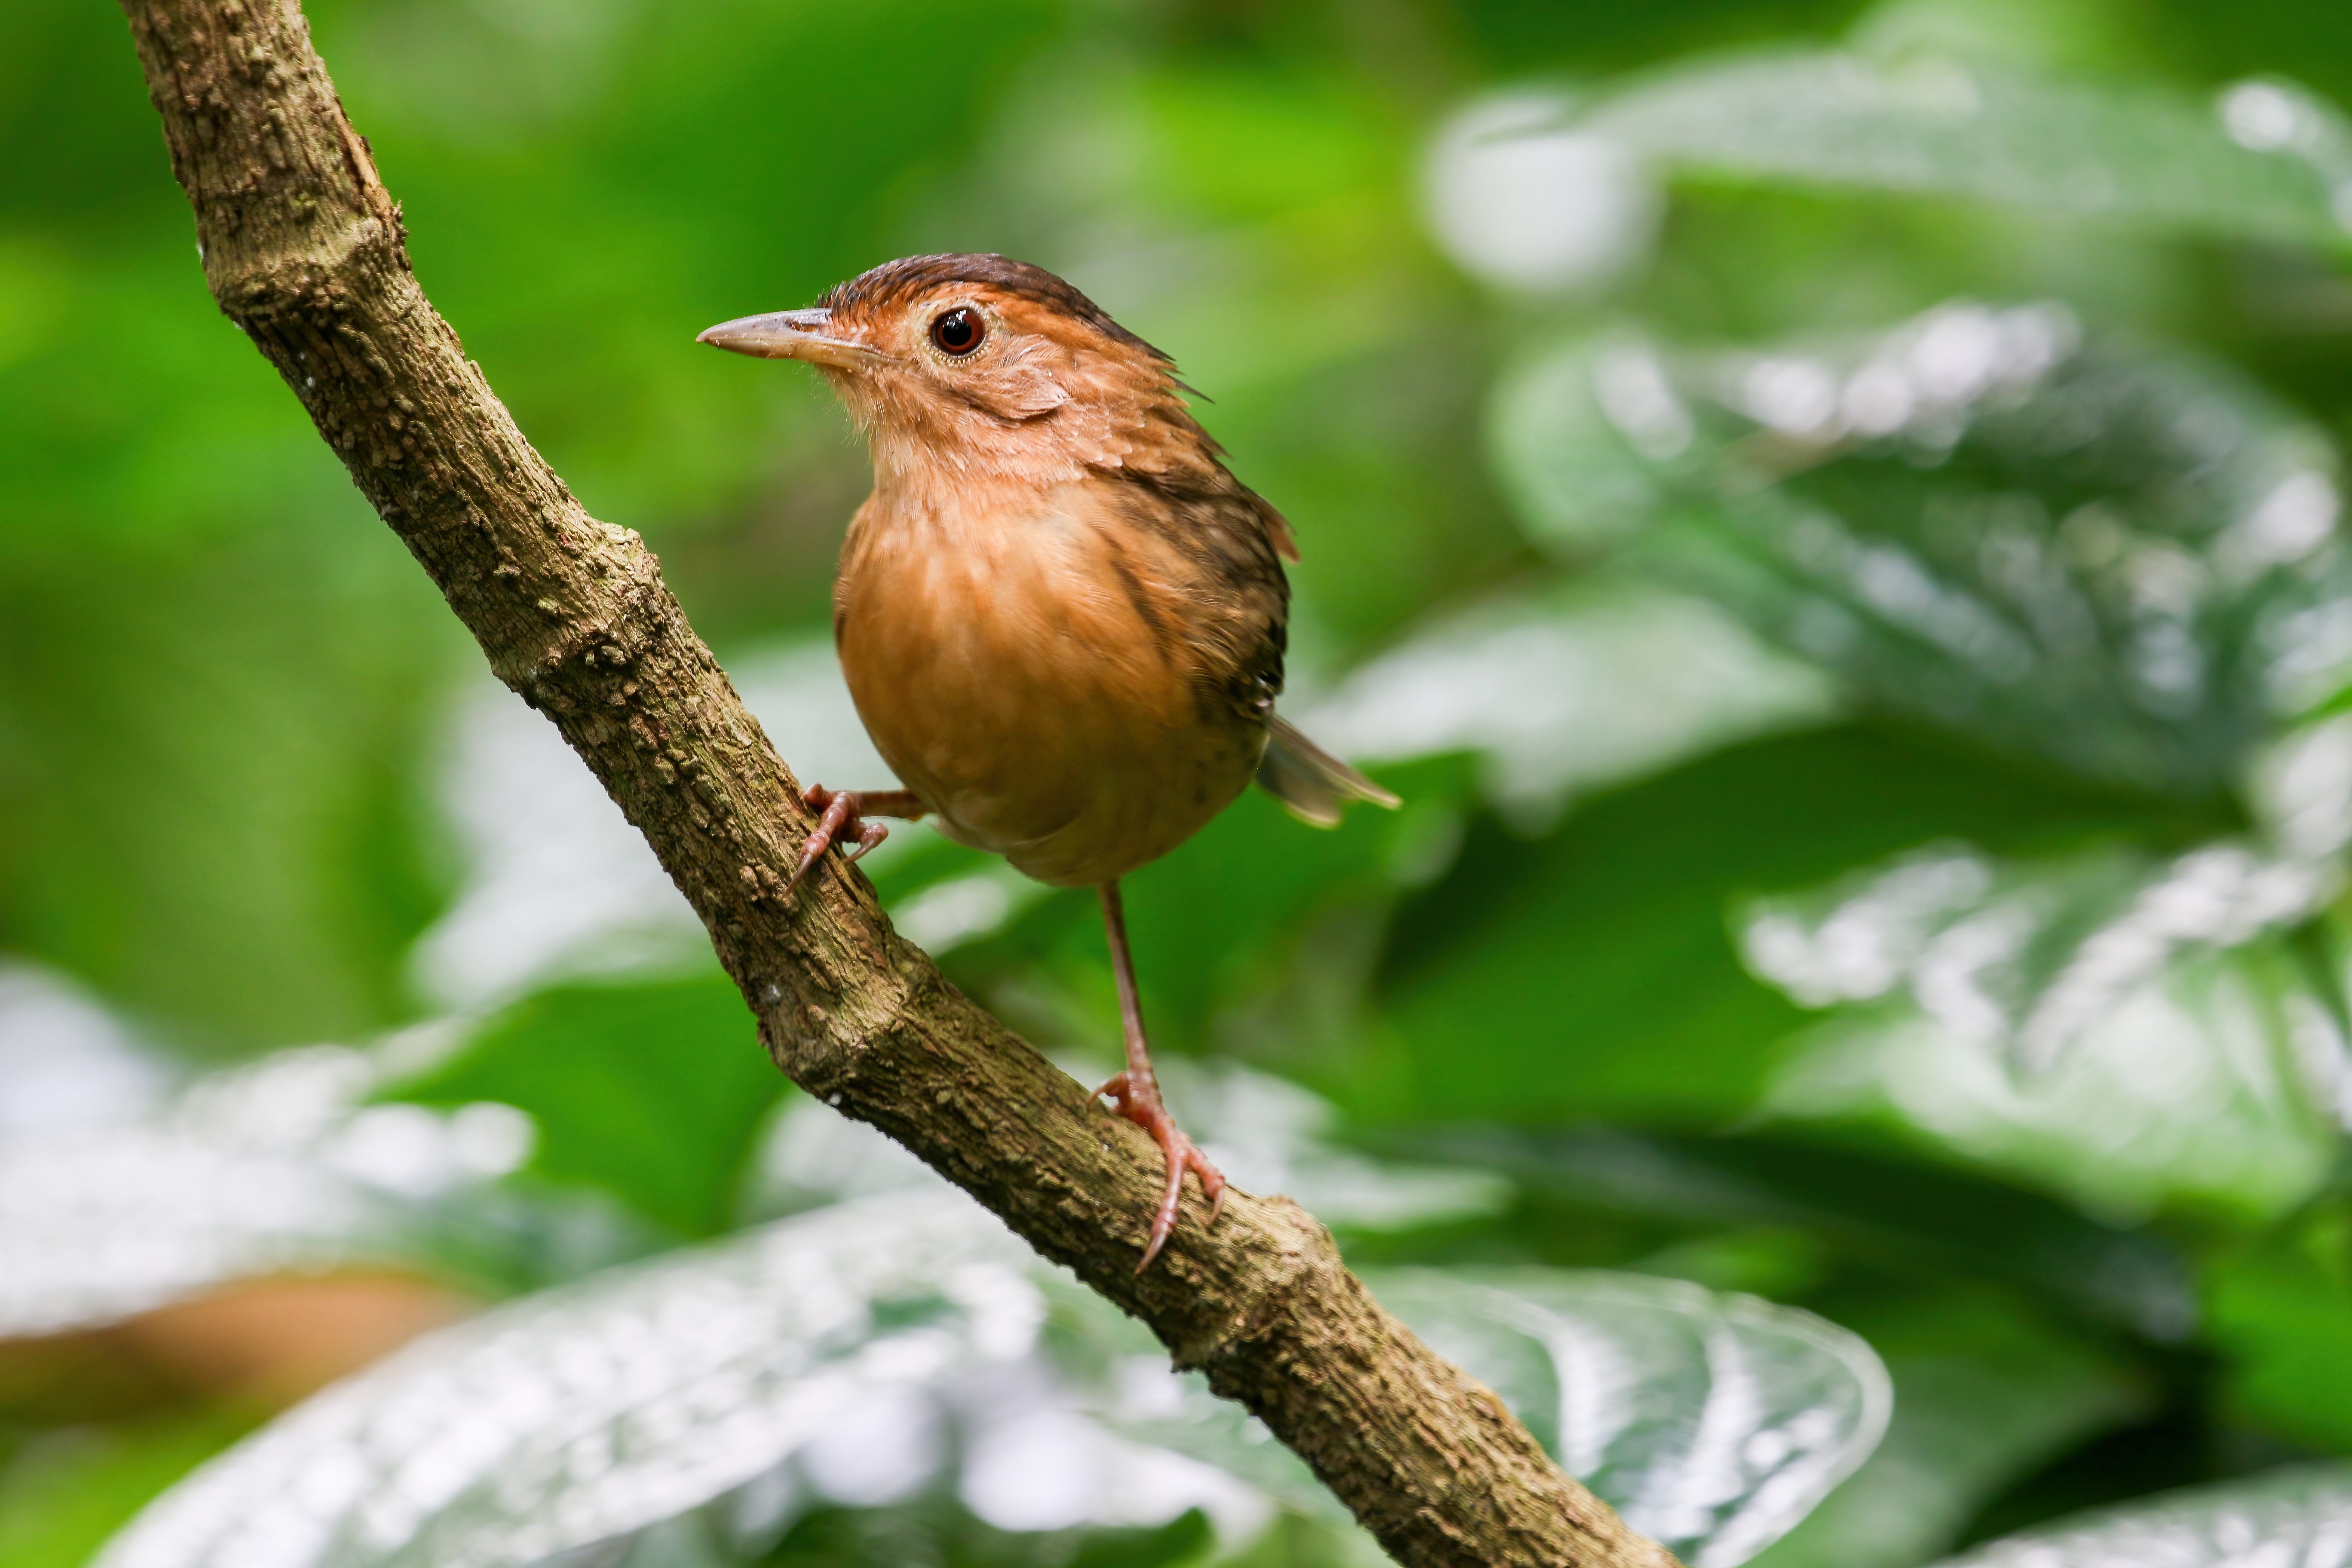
[(789, 334)]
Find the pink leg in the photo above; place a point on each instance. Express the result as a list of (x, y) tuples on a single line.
[(843, 821), (1135, 1094)]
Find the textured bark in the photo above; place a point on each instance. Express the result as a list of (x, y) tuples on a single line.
[(304, 250)]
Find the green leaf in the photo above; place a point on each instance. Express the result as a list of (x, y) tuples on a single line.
[(2118, 150), (1591, 973), (824, 1358), (2053, 946), (1181, 1540), (934, 1529), (617, 1403), (1713, 1424), (2123, 560), (1983, 1394), (1875, 1208), (2281, 1310), (2301, 1515), (654, 1092), (2000, 1008), (61, 1498)]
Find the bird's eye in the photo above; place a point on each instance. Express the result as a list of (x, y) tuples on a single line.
[(958, 331)]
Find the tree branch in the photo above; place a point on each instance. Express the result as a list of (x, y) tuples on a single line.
[(304, 250)]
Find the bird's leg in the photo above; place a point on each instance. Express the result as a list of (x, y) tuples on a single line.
[(1135, 1093), (843, 821)]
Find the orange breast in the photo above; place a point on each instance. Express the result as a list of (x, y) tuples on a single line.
[(1023, 661)]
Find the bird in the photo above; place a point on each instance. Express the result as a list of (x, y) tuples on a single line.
[(1061, 617)]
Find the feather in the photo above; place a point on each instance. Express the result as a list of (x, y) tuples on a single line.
[(1310, 781)]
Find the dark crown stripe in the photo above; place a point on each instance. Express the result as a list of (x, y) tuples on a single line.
[(913, 274)]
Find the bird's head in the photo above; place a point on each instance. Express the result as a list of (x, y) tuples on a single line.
[(978, 363)]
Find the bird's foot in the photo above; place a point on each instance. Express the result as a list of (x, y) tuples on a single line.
[(1146, 1111), (840, 823)]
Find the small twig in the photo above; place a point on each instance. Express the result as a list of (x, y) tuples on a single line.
[(303, 249)]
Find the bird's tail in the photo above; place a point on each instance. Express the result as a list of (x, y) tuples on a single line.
[(1310, 781)]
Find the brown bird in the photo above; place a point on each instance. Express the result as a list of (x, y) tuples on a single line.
[(1061, 617)]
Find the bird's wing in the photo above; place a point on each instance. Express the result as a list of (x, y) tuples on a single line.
[(1310, 781), (1220, 573)]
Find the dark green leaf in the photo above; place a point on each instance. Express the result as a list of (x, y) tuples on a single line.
[(1983, 1394), (2124, 561), (2282, 1310), (654, 1091), (1591, 973), (1880, 1209)]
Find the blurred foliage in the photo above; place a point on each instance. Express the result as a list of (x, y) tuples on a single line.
[(1613, 926), (945, 1535), (67, 1493), (1990, 360), (653, 1093)]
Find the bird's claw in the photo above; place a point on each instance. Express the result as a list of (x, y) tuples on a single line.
[(1181, 1154), (838, 824)]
